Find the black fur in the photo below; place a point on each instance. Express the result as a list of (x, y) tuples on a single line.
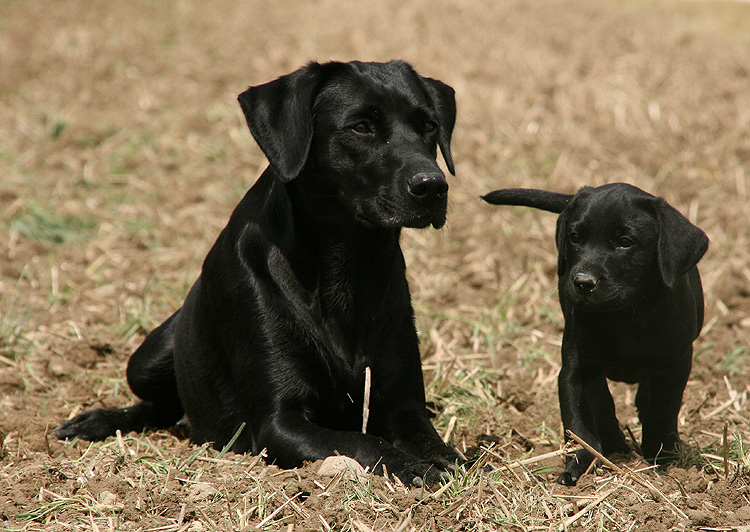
[(633, 304), (306, 286)]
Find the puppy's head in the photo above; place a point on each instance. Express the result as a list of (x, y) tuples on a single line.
[(618, 244), (362, 134)]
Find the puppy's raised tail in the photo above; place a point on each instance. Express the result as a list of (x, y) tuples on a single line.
[(529, 197)]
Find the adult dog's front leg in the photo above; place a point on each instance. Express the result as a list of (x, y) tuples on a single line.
[(290, 440)]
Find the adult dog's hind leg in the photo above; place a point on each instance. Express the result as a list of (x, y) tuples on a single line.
[(99, 424), (151, 373), (151, 376)]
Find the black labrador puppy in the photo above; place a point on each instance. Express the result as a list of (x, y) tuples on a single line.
[(632, 300), (305, 287)]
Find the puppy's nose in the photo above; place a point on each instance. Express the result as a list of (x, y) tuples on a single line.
[(585, 283), (428, 187)]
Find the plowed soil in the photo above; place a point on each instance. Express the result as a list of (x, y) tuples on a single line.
[(123, 152)]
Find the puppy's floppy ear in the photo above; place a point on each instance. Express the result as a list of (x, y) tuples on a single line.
[(681, 244), (561, 236), (279, 114), (444, 98), (563, 221)]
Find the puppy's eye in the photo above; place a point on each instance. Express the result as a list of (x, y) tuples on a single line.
[(624, 242), (574, 238), (430, 126), (363, 128)]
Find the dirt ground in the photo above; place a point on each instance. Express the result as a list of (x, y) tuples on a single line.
[(123, 151)]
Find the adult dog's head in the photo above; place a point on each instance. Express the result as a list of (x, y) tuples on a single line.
[(618, 244), (362, 134)]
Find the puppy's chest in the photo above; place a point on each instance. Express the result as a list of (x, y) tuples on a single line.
[(624, 354)]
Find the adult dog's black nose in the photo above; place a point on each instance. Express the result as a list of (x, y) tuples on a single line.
[(585, 283), (428, 187)]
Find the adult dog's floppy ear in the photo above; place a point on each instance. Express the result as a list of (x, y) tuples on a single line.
[(681, 244), (444, 100), (279, 114)]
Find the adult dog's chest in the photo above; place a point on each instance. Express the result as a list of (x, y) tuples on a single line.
[(347, 318), (344, 355)]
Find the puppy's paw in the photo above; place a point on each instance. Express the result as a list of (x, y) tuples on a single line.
[(566, 479), (663, 458), (575, 467), (662, 452)]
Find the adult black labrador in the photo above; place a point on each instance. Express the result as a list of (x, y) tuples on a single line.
[(305, 288), (632, 300)]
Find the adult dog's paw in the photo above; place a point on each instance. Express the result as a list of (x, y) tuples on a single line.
[(434, 451), (413, 472), (93, 425)]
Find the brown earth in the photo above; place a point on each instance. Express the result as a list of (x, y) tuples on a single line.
[(123, 151)]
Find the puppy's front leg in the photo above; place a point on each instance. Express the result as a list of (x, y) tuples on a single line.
[(580, 394)]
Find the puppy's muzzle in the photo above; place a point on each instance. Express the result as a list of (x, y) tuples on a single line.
[(428, 189), (585, 283)]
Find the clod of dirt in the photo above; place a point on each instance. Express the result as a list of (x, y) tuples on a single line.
[(333, 465), (201, 491), (10, 380), (699, 517), (61, 367)]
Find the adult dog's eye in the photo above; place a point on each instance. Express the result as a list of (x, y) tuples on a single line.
[(624, 242), (574, 238), (363, 128), (430, 126)]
